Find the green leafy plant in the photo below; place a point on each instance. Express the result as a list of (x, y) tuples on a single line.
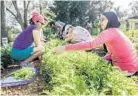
[(82, 73), (5, 56), (23, 73)]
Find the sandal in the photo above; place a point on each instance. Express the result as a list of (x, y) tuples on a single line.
[(26, 65)]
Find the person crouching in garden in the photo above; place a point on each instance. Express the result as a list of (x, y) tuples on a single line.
[(120, 49), (76, 34), (28, 44)]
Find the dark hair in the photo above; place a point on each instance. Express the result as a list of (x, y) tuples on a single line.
[(31, 21), (51, 23)]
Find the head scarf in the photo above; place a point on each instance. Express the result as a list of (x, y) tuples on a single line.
[(113, 21)]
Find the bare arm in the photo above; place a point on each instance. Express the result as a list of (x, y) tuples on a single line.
[(36, 36), (42, 36)]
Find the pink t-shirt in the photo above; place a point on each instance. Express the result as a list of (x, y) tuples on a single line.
[(122, 52)]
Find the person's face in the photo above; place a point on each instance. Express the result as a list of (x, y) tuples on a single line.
[(39, 24), (103, 22), (69, 30)]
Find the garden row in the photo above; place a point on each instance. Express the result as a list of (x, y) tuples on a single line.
[(82, 73)]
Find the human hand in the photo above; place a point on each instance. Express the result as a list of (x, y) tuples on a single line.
[(59, 50)]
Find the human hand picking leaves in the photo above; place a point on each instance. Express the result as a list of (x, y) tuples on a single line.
[(59, 50)]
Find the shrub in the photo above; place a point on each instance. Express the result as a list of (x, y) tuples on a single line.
[(5, 56)]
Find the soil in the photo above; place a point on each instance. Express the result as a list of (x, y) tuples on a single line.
[(34, 88)]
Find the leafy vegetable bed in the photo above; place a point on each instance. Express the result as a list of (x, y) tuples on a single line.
[(23, 73), (82, 73)]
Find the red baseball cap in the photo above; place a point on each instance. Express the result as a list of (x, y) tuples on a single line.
[(36, 17)]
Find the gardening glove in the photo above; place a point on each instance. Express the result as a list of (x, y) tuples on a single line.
[(59, 50)]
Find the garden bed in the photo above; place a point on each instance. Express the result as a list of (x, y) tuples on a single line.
[(75, 73), (83, 73)]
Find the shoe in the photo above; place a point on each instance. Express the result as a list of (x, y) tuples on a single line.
[(26, 65)]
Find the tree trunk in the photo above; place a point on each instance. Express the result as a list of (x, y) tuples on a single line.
[(4, 33), (25, 15), (40, 6), (19, 16), (22, 21)]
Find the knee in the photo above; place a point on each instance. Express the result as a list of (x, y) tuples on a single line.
[(41, 49)]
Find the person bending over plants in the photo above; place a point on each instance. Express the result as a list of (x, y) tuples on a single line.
[(120, 48), (76, 34)]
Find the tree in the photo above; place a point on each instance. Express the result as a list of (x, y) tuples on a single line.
[(121, 14), (134, 8), (26, 5), (3, 21), (22, 21), (71, 12), (98, 7), (20, 9), (76, 12), (60, 9)]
